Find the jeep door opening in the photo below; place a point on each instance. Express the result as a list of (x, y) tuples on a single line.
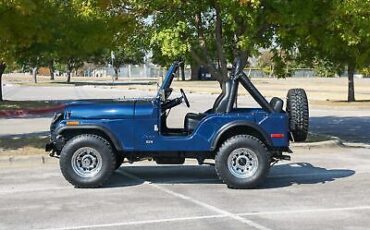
[(92, 138)]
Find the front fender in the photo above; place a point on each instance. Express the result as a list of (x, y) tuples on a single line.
[(91, 128)]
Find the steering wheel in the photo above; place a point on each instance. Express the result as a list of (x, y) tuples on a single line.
[(183, 95)]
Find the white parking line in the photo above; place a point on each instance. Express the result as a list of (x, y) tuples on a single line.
[(137, 222), (131, 223), (221, 213), (200, 203), (358, 208)]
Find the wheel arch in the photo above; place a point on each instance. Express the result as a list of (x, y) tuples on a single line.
[(238, 128), (72, 131)]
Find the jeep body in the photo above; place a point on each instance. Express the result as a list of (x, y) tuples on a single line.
[(137, 128)]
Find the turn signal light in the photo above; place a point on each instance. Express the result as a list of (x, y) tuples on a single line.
[(73, 123), (277, 135)]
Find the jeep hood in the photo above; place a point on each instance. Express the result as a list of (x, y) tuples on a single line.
[(102, 109)]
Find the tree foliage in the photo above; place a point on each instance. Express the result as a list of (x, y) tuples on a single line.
[(43, 32), (332, 35), (335, 32), (210, 33)]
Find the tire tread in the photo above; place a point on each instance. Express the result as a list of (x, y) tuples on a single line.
[(297, 107)]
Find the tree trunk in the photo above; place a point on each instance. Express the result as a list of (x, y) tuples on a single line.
[(69, 71), (220, 45), (68, 76), (52, 70), (194, 71), (201, 56), (34, 74), (183, 71), (351, 85), (116, 70), (2, 69)]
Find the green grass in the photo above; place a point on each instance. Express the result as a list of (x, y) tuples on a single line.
[(16, 143), (14, 105), (23, 146)]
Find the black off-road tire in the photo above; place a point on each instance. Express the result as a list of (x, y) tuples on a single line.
[(297, 108), (119, 161), (237, 143), (98, 144)]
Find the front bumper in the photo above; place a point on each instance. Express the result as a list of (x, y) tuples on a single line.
[(49, 147), (55, 146), (52, 150)]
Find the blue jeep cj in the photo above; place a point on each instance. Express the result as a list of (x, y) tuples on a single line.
[(93, 138)]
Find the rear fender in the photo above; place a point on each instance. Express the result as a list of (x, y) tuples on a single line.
[(237, 128)]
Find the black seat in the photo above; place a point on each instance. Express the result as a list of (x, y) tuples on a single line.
[(220, 106)]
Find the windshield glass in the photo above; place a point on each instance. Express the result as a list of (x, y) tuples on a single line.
[(169, 76)]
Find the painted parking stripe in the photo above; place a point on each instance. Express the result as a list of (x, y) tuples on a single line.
[(168, 220), (199, 203), (139, 222), (340, 209)]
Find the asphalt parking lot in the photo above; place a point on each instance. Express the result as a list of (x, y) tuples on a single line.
[(321, 188)]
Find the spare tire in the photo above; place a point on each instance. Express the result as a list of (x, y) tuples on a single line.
[(297, 109)]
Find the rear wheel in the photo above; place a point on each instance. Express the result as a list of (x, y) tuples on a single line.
[(297, 108), (87, 161), (242, 162)]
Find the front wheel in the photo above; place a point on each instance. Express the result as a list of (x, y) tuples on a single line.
[(242, 162), (87, 161)]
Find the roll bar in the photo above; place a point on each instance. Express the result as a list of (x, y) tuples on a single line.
[(240, 76), (253, 91), (237, 76)]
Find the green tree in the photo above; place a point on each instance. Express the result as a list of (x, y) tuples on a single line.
[(18, 30), (332, 31), (83, 33), (209, 33), (129, 44)]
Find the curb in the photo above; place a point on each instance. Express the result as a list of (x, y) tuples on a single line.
[(356, 145), (36, 159), (329, 143), (27, 112), (332, 141)]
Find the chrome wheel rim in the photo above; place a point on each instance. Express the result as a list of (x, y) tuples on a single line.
[(86, 162), (242, 163)]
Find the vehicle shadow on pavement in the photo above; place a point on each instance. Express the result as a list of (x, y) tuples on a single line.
[(282, 175), (179, 174), (350, 129), (285, 175)]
